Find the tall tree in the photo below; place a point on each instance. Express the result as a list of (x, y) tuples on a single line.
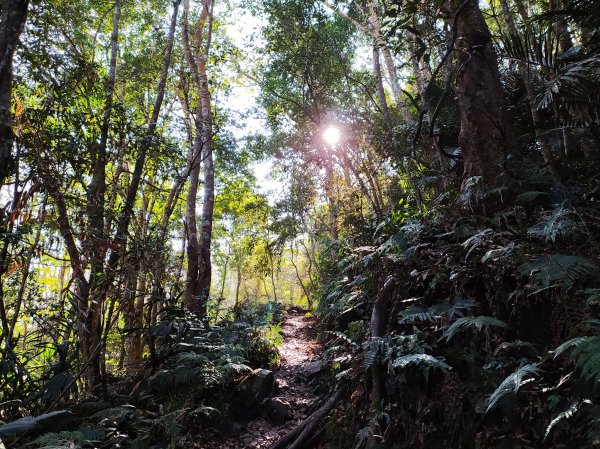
[(13, 14), (485, 137), (199, 269)]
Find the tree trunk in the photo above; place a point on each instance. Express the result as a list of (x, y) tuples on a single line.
[(379, 80), (92, 299), (127, 211), (199, 272), (13, 15), (484, 134), (333, 210)]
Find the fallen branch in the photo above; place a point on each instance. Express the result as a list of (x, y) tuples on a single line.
[(304, 432)]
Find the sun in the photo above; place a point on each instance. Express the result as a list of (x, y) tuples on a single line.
[(331, 135)]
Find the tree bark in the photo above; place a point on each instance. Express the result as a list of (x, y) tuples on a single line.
[(484, 132), (198, 277), (13, 15)]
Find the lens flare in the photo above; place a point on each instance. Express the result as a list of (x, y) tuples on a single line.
[(331, 135)]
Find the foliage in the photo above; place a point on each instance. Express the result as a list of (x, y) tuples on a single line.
[(512, 384)]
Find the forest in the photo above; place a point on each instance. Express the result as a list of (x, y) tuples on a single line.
[(299, 224)]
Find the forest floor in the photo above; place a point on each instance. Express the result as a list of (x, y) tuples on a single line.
[(294, 385)]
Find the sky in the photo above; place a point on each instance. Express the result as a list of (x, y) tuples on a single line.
[(244, 31)]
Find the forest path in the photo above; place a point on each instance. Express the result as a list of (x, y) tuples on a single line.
[(293, 384)]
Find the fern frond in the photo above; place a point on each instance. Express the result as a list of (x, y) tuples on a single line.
[(478, 323), (563, 415), (374, 349), (499, 253), (455, 307), (341, 336), (587, 360), (363, 435), (393, 247), (530, 197), (414, 314), (512, 384), (593, 296), (477, 240), (518, 344), (569, 344), (558, 269), (424, 360), (560, 223)]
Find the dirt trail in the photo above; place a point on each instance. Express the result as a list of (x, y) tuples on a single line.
[(299, 348)]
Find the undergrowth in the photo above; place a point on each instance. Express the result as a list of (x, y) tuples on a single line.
[(492, 332), (188, 384)]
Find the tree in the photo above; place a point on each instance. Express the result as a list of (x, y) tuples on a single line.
[(13, 14), (198, 276), (485, 136)]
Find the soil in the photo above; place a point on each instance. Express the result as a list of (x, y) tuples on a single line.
[(293, 385)]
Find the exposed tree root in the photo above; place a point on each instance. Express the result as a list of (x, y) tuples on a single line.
[(303, 433)]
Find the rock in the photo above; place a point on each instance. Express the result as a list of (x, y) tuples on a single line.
[(256, 387), (55, 421), (314, 368), (49, 422), (16, 428), (279, 411)]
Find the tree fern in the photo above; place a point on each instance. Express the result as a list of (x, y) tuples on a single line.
[(512, 383), (478, 323), (558, 269)]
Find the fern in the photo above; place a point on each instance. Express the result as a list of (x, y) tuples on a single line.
[(567, 414), (363, 435), (415, 314), (530, 197), (471, 322), (477, 240), (517, 344), (424, 360), (558, 270), (499, 253), (593, 296), (512, 383), (456, 307), (560, 223), (585, 352), (374, 349)]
